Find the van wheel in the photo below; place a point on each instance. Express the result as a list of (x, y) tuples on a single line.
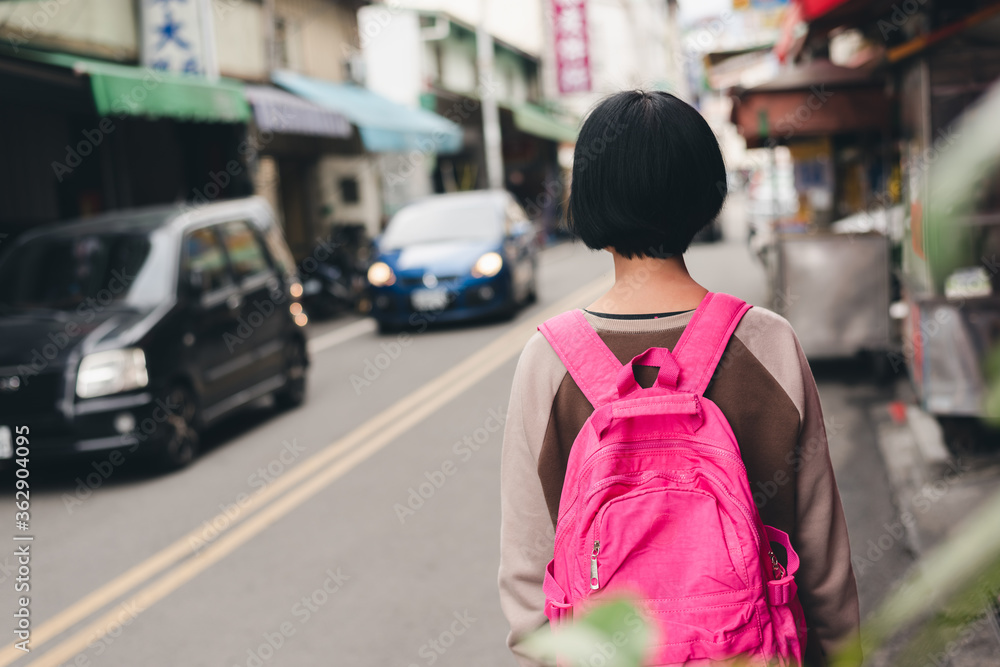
[(180, 440), (293, 394)]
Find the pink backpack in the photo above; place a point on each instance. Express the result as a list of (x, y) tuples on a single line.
[(656, 503)]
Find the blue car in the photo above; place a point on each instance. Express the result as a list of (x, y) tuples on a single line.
[(453, 257)]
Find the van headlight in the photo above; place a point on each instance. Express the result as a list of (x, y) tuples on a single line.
[(488, 265), (111, 372)]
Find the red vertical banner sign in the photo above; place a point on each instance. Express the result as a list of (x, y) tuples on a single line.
[(572, 49)]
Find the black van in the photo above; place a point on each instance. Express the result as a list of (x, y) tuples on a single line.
[(136, 329)]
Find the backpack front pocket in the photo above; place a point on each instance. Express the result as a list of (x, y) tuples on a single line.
[(665, 542)]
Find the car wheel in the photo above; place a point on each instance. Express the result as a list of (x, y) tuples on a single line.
[(293, 394), (180, 437)]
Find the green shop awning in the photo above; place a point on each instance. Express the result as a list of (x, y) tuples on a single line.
[(540, 123), (140, 91)]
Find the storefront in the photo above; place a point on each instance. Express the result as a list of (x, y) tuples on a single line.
[(83, 136), (401, 146)]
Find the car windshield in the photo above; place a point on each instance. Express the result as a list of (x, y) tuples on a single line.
[(66, 269), (430, 223)]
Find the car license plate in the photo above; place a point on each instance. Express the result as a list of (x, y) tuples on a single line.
[(6, 443), (430, 299)]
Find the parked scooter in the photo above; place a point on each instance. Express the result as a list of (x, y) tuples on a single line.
[(333, 274)]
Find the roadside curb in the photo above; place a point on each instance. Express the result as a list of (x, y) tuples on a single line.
[(932, 491), (899, 453)]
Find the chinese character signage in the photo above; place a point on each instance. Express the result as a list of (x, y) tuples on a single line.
[(571, 47), (171, 36)]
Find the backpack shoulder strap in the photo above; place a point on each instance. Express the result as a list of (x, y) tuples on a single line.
[(704, 340), (590, 363)]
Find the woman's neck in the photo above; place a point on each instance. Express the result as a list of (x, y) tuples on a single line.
[(649, 285)]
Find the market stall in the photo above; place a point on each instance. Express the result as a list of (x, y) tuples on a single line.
[(834, 122)]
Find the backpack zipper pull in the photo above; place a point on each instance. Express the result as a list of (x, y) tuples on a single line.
[(594, 583), (776, 569)]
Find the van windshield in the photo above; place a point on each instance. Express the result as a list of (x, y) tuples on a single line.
[(66, 269)]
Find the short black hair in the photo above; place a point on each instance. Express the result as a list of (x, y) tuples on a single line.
[(647, 175)]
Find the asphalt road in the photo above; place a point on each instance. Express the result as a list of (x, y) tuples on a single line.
[(360, 529)]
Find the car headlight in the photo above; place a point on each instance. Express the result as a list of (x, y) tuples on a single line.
[(488, 265), (380, 275), (111, 372)]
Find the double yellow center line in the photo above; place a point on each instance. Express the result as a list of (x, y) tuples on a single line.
[(277, 499)]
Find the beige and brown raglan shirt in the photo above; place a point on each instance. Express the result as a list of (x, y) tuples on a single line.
[(764, 387)]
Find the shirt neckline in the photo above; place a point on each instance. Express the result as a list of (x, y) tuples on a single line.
[(641, 325), (636, 316)]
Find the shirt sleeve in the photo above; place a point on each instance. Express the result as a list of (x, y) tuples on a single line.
[(826, 584), (526, 533)]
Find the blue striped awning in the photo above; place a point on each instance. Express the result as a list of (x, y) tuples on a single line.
[(385, 126), (274, 110)]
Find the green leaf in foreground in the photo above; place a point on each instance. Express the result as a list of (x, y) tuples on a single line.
[(614, 635)]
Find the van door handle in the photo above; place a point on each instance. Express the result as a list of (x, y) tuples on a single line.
[(234, 302)]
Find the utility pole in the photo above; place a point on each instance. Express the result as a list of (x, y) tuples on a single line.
[(487, 98)]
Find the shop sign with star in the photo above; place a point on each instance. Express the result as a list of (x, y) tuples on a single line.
[(171, 36)]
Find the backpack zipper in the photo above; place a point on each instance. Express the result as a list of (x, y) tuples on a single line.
[(563, 523), (594, 582), (777, 571)]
